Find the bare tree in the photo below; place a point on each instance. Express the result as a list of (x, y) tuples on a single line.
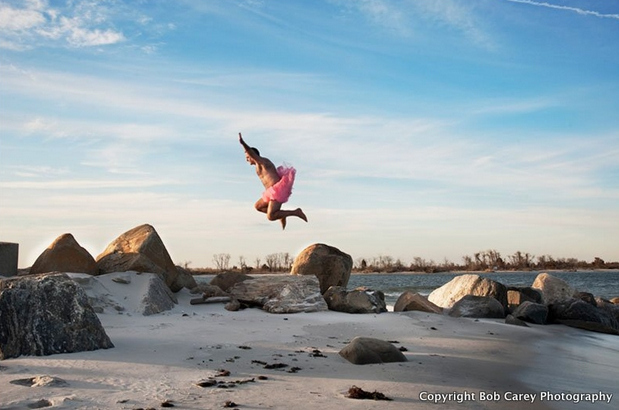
[(271, 261), (258, 263), (221, 260)]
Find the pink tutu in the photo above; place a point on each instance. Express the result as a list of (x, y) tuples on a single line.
[(282, 190)]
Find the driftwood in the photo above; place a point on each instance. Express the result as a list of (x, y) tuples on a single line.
[(214, 299)]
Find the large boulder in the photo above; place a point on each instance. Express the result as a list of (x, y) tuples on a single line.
[(65, 255), (281, 294), (583, 315), (448, 294), (355, 301), (478, 307), (47, 314), (532, 312), (141, 249), (414, 301), (331, 266), (367, 350), (553, 289)]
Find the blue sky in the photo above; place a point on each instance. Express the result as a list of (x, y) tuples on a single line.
[(430, 129)]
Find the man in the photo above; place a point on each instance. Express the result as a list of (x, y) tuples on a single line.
[(277, 183)]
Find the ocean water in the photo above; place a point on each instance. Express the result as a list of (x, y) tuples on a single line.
[(600, 283)]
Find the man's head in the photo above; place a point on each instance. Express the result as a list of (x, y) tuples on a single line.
[(250, 159)]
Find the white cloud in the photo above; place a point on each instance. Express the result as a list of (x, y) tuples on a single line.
[(37, 21), (12, 19)]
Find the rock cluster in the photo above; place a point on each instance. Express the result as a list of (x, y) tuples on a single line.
[(549, 300), (140, 249)]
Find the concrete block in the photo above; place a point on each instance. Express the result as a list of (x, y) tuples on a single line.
[(9, 252)]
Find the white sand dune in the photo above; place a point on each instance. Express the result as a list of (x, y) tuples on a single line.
[(161, 358)]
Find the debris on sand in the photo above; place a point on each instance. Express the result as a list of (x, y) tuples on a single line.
[(358, 393)]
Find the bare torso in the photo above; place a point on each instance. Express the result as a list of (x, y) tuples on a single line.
[(267, 172)]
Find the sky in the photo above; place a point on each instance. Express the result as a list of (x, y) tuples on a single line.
[(426, 129)]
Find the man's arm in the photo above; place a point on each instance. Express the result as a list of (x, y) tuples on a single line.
[(251, 152)]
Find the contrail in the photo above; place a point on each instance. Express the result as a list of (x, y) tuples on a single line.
[(574, 9)]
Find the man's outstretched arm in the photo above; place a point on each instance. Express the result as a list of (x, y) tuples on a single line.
[(249, 150)]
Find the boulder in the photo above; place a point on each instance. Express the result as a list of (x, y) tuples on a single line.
[(226, 280), (184, 279), (65, 255), (583, 315), (367, 350), (331, 266), (611, 308), (47, 314), (511, 320), (518, 295), (281, 294), (9, 254), (463, 285), (355, 301), (554, 290), (532, 312), (478, 307), (140, 249), (586, 297), (414, 301)]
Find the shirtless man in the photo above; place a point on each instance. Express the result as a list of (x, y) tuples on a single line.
[(277, 183)]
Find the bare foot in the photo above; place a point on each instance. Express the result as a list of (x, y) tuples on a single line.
[(283, 222), (301, 215)]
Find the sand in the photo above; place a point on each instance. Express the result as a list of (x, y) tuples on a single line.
[(460, 363)]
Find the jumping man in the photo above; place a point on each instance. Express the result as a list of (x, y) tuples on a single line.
[(277, 183)]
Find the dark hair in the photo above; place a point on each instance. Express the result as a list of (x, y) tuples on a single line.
[(256, 150)]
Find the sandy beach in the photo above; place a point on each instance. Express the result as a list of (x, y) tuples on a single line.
[(453, 363)]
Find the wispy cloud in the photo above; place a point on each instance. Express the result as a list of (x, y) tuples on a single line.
[(577, 10), (36, 22), (72, 184)]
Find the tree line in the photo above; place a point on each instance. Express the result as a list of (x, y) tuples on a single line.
[(488, 260)]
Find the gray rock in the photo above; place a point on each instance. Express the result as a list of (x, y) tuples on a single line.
[(411, 301), (517, 295), (65, 255), (511, 320), (448, 294), (331, 266), (9, 254), (532, 312), (47, 314), (583, 315), (366, 350), (226, 280), (554, 290), (355, 301), (281, 294), (478, 307), (140, 249)]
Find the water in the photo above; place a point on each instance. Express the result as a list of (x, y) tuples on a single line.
[(600, 283)]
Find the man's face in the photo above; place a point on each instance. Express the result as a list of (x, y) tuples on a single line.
[(250, 159)]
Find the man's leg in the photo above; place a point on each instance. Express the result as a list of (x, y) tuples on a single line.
[(261, 206), (274, 212)]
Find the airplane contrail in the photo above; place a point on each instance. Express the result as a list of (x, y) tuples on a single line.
[(567, 8)]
